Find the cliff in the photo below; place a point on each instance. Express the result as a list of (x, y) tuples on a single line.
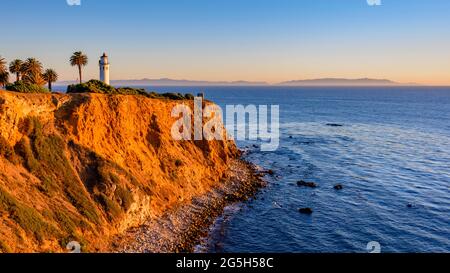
[(87, 167)]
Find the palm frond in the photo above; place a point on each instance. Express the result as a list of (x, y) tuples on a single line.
[(79, 59), (50, 75)]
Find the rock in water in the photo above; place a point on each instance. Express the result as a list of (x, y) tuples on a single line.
[(306, 211), (302, 183), (338, 187)]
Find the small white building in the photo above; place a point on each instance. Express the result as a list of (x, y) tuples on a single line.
[(104, 68)]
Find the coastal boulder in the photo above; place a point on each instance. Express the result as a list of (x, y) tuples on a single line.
[(308, 211), (302, 183)]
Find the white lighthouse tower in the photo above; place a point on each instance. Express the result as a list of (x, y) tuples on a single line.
[(104, 69)]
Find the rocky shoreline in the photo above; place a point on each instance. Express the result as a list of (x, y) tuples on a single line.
[(182, 228)]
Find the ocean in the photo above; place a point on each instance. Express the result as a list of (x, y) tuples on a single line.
[(391, 154)]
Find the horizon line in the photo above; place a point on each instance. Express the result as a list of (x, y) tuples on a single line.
[(291, 83)]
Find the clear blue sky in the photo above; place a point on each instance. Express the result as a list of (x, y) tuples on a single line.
[(263, 40)]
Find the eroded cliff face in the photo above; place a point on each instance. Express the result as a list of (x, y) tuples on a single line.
[(87, 167)]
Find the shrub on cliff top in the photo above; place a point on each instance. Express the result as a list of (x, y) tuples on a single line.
[(24, 87), (98, 87), (92, 86), (95, 86), (173, 96), (131, 91)]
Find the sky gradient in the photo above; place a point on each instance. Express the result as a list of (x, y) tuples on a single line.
[(254, 40)]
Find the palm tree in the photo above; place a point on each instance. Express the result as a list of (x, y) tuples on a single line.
[(16, 67), (79, 59), (2, 64), (4, 75), (32, 69), (32, 66), (50, 76)]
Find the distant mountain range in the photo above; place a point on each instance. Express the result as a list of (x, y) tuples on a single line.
[(342, 82), (310, 82), (172, 82)]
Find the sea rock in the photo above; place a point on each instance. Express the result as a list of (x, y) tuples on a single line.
[(269, 172), (305, 211), (338, 187), (231, 198), (302, 183), (334, 125), (276, 205)]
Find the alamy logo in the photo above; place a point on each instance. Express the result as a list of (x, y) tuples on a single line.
[(249, 122), (74, 247), (374, 247), (374, 2), (73, 2)]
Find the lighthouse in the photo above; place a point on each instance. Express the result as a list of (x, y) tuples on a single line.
[(104, 68)]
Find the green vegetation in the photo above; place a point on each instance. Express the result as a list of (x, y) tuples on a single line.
[(170, 96), (4, 75), (32, 72), (47, 187), (178, 163), (45, 158), (173, 96), (27, 218), (69, 223), (98, 87), (114, 178), (4, 248), (50, 76), (131, 91), (124, 197), (29, 76), (16, 67), (95, 86), (7, 151), (109, 206), (23, 148), (108, 178), (189, 96), (24, 87)]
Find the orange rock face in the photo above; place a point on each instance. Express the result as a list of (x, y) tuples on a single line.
[(86, 167)]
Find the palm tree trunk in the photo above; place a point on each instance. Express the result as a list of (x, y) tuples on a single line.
[(79, 71), (17, 76), (50, 86)]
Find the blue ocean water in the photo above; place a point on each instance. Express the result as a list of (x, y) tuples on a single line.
[(393, 149)]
